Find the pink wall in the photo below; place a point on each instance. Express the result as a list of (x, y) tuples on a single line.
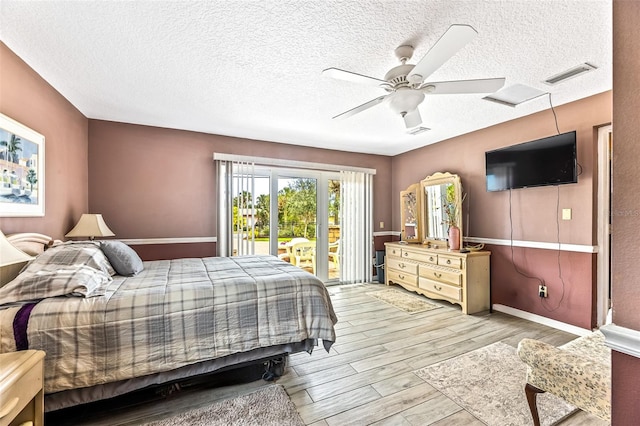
[(150, 182), (533, 210), (30, 100), (626, 184)]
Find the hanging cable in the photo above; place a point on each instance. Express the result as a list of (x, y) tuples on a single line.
[(555, 117), (559, 263), (511, 238)]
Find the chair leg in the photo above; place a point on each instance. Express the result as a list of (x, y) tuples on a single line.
[(532, 394)]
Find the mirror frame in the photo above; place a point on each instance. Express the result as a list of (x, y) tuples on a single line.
[(416, 190), (439, 179)]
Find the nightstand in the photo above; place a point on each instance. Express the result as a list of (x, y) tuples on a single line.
[(21, 388)]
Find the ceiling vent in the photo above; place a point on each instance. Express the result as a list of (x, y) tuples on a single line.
[(514, 95), (418, 130), (570, 73)]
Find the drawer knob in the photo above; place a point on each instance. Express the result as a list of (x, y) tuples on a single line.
[(437, 288), (431, 259), (437, 275), (448, 261), (9, 407), (402, 265), (406, 254), (401, 277)]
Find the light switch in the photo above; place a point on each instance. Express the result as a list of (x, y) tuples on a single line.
[(381, 225), (566, 214)]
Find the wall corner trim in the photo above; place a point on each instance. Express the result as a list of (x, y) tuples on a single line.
[(622, 339), (579, 331)]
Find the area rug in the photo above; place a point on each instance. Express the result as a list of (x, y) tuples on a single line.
[(403, 301), (489, 383), (267, 406)]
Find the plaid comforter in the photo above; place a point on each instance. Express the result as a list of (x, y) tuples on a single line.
[(174, 313)]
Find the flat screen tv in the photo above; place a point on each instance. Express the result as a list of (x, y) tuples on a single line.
[(548, 161)]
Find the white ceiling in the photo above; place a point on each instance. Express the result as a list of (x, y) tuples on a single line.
[(252, 69)]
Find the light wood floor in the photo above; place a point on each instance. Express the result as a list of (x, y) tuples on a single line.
[(367, 378)]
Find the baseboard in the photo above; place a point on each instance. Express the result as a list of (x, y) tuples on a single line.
[(542, 320), (622, 339)]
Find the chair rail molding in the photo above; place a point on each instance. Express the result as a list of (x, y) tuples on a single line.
[(622, 339), (178, 240)]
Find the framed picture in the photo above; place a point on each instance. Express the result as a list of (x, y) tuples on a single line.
[(21, 170)]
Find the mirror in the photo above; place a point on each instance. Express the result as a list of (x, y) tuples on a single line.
[(442, 200), (410, 213)]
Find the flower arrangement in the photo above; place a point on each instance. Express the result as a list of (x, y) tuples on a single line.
[(451, 207)]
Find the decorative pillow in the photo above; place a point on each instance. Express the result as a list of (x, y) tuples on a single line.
[(123, 258), (75, 280), (71, 253)]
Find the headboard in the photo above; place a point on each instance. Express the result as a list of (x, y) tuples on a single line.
[(29, 242)]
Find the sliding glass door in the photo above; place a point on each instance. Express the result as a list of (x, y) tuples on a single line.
[(318, 220), (293, 214)]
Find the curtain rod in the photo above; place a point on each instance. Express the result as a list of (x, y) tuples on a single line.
[(265, 161)]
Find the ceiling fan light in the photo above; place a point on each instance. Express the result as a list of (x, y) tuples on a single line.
[(405, 100)]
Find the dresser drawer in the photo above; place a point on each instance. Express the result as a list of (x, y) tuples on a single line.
[(394, 251), (449, 277), (402, 265), (420, 256), (441, 289), (402, 277), (450, 261)]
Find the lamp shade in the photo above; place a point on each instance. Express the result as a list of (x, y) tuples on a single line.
[(9, 254), (90, 225)]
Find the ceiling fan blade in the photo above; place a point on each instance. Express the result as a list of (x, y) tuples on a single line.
[(352, 76), (483, 85), (412, 119), (361, 108), (454, 39)]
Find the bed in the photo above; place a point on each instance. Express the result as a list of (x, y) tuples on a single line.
[(108, 330)]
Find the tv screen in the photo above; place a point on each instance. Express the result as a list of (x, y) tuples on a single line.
[(548, 161)]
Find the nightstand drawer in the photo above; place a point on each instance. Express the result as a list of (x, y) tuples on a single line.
[(21, 383)]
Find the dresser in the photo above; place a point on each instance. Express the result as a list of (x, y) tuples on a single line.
[(461, 278), (21, 388)]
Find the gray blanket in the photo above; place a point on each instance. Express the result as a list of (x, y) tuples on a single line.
[(174, 313)]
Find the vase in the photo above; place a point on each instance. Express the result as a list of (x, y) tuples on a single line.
[(454, 238)]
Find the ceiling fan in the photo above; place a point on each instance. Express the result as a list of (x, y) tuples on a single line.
[(406, 83)]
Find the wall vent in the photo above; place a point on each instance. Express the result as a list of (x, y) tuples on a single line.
[(570, 73)]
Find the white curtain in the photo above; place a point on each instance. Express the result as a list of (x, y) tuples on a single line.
[(235, 177), (356, 206)]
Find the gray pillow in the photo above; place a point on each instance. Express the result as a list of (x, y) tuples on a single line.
[(123, 258)]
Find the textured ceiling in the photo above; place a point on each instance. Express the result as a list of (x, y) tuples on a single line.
[(252, 69)]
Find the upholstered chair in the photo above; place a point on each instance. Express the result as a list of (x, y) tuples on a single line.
[(578, 372)]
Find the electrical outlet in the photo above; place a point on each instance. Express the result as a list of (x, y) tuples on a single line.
[(542, 290)]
